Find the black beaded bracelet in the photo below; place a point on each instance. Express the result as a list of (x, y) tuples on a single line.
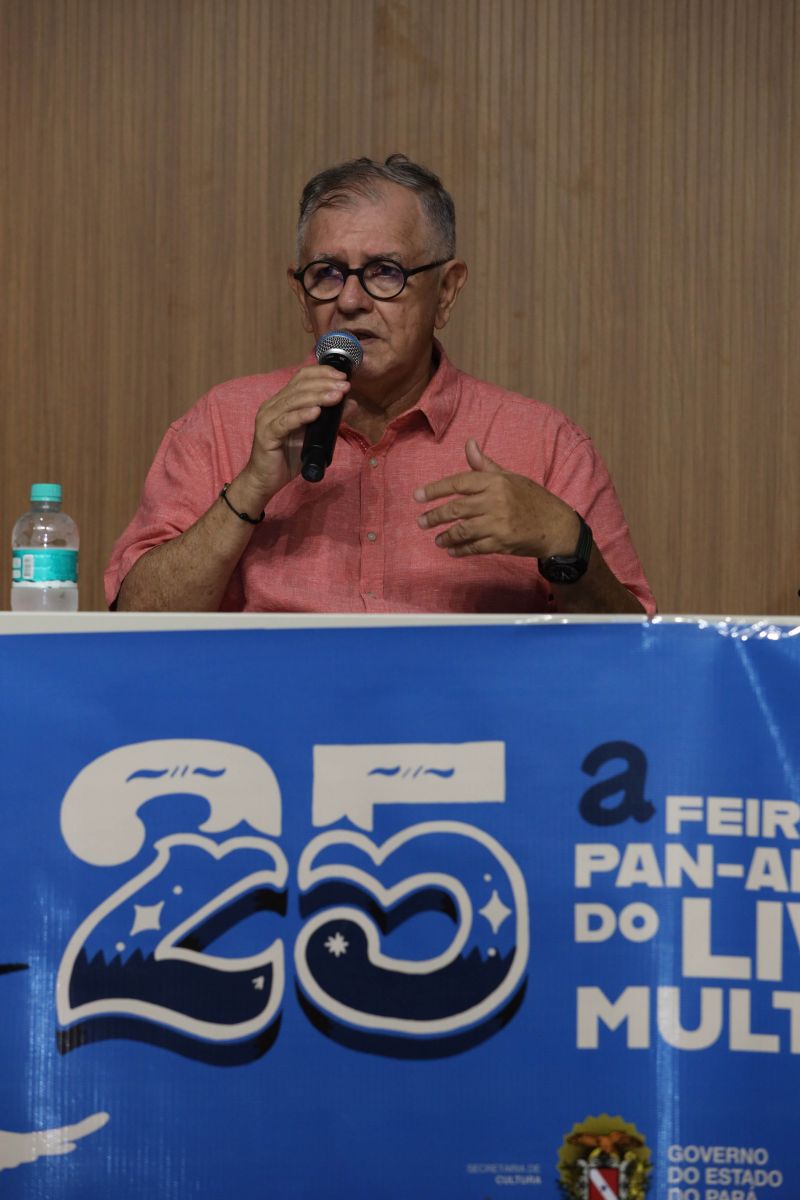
[(241, 515)]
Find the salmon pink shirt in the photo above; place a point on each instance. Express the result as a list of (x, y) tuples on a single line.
[(351, 543)]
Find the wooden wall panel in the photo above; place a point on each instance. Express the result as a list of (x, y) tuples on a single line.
[(627, 178)]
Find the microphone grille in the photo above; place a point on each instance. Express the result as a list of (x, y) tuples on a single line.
[(343, 343)]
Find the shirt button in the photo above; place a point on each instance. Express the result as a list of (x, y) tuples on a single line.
[(371, 536), (373, 462)]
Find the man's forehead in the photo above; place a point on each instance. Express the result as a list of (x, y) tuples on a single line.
[(387, 221)]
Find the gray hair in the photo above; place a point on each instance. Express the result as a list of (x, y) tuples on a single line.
[(363, 177)]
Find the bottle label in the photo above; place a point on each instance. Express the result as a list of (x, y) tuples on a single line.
[(46, 567)]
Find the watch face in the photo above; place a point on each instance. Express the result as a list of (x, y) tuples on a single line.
[(569, 568), (565, 572)]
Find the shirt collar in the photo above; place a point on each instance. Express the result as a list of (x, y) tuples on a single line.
[(439, 401)]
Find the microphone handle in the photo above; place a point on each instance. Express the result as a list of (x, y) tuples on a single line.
[(320, 436), (318, 443)]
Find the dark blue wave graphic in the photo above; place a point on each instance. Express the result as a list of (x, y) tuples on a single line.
[(352, 980)]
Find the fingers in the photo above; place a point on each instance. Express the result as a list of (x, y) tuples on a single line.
[(465, 510), (294, 406), (465, 484), (478, 459), (475, 457), (293, 449), (486, 510), (473, 453), (283, 424), (485, 545), (279, 424), (311, 387), (469, 527), (454, 510), (476, 536)]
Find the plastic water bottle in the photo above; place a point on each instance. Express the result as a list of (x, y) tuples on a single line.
[(44, 555)]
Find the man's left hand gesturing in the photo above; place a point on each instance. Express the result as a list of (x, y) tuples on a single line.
[(489, 510)]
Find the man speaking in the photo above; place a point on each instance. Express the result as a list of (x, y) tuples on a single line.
[(443, 493)]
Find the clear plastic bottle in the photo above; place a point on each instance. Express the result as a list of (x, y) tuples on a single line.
[(44, 555)]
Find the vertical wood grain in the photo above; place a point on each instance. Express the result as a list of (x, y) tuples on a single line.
[(627, 179)]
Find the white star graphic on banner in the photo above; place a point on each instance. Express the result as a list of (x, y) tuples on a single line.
[(148, 916), (495, 911), (337, 945)]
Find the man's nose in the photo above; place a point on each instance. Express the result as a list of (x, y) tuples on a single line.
[(353, 296)]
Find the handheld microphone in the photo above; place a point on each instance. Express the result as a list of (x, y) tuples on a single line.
[(344, 352)]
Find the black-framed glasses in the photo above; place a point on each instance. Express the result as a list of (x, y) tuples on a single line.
[(380, 278)]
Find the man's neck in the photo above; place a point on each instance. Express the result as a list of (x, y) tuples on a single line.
[(370, 414)]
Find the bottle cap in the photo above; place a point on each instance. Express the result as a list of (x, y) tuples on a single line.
[(46, 491)]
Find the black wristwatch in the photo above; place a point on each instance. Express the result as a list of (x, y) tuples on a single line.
[(569, 568)]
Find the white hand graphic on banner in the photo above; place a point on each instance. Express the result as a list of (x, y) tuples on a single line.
[(19, 1148)]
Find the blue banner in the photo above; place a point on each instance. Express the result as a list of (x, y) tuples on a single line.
[(431, 912)]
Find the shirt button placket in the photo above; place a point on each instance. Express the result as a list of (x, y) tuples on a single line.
[(372, 531)]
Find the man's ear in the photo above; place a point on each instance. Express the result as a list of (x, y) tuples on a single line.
[(454, 276), (302, 299)]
